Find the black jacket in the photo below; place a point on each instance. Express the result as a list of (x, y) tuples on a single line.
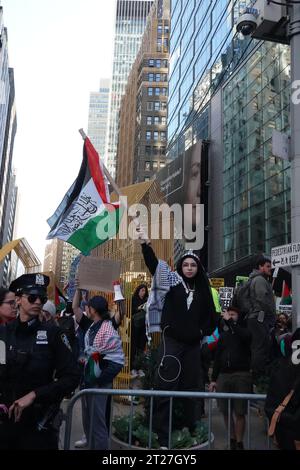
[(187, 326), (39, 359), (284, 378), (233, 353)]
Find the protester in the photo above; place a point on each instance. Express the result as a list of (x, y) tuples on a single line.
[(37, 371), (255, 301), (231, 372), (104, 359), (181, 305), (49, 313), (138, 326), (8, 306), (282, 404)]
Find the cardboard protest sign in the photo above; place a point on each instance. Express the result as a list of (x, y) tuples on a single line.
[(98, 274)]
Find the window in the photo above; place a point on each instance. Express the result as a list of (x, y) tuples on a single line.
[(159, 45), (159, 29), (163, 106), (158, 63), (157, 105), (162, 164), (149, 120), (164, 91), (149, 105), (164, 121), (156, 150), (163, 150), (155, 165), (156, 120), (157, 91), (163, 136), (148, 135), (147, 178), (155, 135), (150, 77), (157, 77), (166, 29), (147, 166), (165, 63), (151, 62), (166, 45), (150, 91), (148, 150)]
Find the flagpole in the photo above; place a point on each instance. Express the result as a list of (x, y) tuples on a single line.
[(110, 179), (105, 170)]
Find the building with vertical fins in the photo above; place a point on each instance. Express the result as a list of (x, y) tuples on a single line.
[(8, 128), (98, 117), (131, 18), (143, 114)]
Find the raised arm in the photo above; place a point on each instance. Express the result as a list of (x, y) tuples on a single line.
[(76, 306)]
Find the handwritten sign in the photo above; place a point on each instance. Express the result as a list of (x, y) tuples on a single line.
[(98, 274)]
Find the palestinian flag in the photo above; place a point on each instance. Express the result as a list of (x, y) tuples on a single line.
[(86, 218)]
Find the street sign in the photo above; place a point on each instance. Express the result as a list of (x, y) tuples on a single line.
[(225, 296), (217, 282), (286, 255)]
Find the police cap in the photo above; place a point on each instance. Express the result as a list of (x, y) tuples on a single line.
[(30, 284)]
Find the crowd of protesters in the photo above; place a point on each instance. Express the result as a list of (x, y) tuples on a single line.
[(201, 346)]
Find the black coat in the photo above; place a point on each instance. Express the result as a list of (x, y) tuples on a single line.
[(36, 353), (233, 353), (181, 324)]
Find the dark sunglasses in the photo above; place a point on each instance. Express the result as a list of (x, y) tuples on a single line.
[(33, 297)]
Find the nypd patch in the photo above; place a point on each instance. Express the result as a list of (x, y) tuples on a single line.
[(41, 337), (65, 341)]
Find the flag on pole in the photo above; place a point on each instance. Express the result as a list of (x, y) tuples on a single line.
[(86, 218)]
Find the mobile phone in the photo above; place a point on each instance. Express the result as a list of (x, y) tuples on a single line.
[(261, 316)]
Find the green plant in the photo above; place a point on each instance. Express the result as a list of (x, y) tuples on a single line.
[(140, 431)]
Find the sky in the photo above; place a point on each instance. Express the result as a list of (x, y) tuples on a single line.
[(59, 50)]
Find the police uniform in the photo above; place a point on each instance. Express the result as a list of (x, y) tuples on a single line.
[(37, 357)]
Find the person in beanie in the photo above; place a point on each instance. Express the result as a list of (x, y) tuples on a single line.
[(181, 306), (37, 370), (49, 312), (104, 359)]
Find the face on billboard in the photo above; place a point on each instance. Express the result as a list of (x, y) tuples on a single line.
[(192, 182)]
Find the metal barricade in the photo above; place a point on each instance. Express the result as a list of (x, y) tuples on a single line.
[(210, 396)]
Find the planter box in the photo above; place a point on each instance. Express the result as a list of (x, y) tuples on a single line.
[(116, 444)]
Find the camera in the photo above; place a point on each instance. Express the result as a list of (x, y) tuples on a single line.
[(247, 23)]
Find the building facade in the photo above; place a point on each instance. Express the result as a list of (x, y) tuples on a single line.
[(58, 258), (231, 91), (8, 128), (98, 116), (143, 114), (131, 17)]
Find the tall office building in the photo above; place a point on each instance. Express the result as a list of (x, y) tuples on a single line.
[(231, 91), (98, 117), (131, 17), (143, 114), (58, 258), (8, 128)]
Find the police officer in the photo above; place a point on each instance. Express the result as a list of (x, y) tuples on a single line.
[(37, 370)]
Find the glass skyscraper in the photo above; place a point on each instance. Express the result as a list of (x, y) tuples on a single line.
[(98, 117), (131, 18), (231, 91)]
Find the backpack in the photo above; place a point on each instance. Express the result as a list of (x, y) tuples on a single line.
[(66, 323), (242, 299)]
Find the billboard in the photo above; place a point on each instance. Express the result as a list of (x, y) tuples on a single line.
[(182, 181)]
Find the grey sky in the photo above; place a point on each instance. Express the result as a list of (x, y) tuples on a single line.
[(59, 50)]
